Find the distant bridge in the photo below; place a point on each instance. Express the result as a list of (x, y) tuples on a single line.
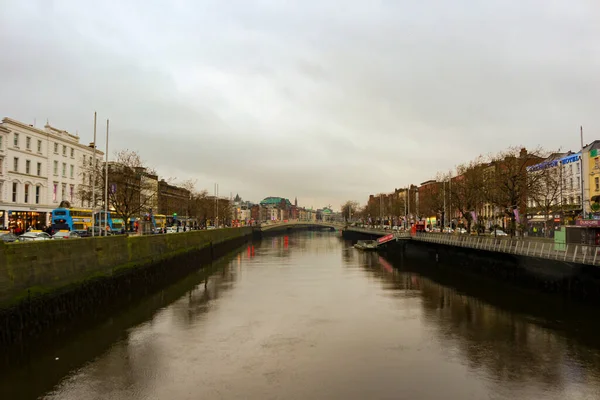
[(276, 225)]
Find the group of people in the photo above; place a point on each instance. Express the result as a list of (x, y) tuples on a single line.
[(18, 229), (177, 228)]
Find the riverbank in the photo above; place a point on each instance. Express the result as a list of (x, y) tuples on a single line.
[(45, 283), (557, 276)]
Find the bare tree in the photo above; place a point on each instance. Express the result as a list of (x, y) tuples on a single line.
[(398, 207), (225, 210), (203, 207), (508, 183), (191, 206), (546, 196), (431, 197), (466, 194), (373, 208), (130, 191), (349, 209)]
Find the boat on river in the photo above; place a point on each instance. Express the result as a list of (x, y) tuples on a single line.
[(366, 245)]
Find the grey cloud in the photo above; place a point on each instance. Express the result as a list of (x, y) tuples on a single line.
[(322, 100)]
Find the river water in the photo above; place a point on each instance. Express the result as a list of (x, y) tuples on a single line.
[(306, 316)]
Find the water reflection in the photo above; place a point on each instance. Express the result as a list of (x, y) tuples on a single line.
[(512, 349), (307, 316), (43, 364)]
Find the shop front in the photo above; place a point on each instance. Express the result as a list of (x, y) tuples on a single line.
[(431, 222), (3, 221), (20, 221), (585, 232), (542, 225)]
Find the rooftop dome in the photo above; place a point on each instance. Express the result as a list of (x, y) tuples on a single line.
[(275, 201)]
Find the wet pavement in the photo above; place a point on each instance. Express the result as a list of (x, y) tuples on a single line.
[(306, 316)]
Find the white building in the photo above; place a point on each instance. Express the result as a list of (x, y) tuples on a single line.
[(38, 169), (242, 212), (571, 175), (559, 189)]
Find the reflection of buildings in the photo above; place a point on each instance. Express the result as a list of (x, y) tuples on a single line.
[(513, 349), (508, 345), (39, 168)]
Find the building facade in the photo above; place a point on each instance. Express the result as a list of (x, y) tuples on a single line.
[(149, 192), (172, 199), (39, 168), (558, 194), (432, 202), (276, 208), (590, 159)]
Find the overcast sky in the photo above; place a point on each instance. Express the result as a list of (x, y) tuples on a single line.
[(323, 100)]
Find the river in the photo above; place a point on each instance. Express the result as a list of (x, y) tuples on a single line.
[(306, 316)]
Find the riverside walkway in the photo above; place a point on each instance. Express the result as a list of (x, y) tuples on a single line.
[(523, 246), (530, 247)]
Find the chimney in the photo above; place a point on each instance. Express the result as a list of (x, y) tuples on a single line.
[(523, 152)]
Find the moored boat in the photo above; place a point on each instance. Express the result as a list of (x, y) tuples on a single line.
[(366, 245)]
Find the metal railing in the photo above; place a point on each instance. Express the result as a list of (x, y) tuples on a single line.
[(568, 252)]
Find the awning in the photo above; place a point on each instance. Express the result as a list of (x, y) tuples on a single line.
[(540, 218)]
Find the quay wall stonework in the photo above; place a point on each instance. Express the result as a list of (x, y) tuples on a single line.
[(38, 268)]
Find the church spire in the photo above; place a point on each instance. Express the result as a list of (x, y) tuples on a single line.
[(296, 201)]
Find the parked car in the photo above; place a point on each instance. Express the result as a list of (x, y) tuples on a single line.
[(82, 232), (66, 235), (461, 230), (97, 231), (499, 232), (171, 229), (31, 236), (8, 237), (448, 230)]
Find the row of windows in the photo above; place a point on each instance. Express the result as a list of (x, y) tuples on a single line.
[(63, 192), (565, 200), (568, 183), (64, 170), (32, 194), (39, 145), (38, 171)]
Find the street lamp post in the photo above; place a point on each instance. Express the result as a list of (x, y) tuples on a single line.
[(445, 215), (94, 181), (381, 209), (407, 206)]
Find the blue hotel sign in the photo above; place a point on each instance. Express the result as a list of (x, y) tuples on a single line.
[(570, 159), (554, 163)]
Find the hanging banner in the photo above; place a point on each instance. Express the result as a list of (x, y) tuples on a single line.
[(587, 222), (385, 238), (474, 216), (516, 212)]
